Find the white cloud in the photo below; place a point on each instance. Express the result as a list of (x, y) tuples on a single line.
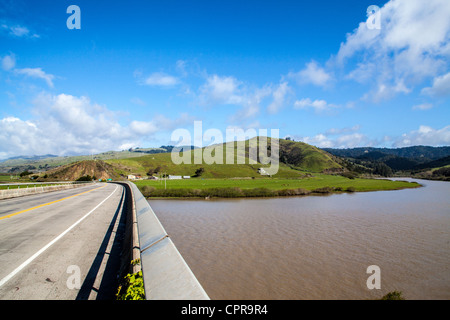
[(18, 31), (220, 90), (339, 131), (279, 97), (352, 140), (412, 45), (8, 62), (143, 127), (423, 106), (425, 135), (441, 86), (66, 124), (36, 73), (317, 105), (384, 91), (138, 101), (313, 74), (349, 137), (161, 79), (251, 103), (319, 140)]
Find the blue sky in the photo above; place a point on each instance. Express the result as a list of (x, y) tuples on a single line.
[(138, 70)]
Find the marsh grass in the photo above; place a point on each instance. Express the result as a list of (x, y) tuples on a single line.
[(241, 188)]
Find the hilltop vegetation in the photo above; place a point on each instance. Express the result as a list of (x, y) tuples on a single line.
[(296, 160), (419, 161)]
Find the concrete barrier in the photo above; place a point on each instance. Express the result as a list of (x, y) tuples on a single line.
[(166, 274), (28, 189)]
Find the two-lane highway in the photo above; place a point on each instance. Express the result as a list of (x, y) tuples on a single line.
[(57, 245)]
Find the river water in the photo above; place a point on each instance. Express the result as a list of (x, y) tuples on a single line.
[(316, 247)]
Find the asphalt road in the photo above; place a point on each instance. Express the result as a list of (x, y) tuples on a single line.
[(61, 245)]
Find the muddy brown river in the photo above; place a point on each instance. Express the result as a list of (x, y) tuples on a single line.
[(316, 247)]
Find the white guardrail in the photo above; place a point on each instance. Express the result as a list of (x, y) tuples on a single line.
[(22, 189), (166, 274)]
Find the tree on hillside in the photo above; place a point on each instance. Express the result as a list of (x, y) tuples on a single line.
[(382, 169), (86, 178), (25, 173), (199, 172)]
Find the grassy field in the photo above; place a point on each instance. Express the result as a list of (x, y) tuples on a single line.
[(319, 183)]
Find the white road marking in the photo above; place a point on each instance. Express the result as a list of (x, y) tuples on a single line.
[(34, 256)]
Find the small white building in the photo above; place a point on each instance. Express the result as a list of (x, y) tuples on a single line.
[(186, 177), (131, 177), (262, 172), (175, 177)]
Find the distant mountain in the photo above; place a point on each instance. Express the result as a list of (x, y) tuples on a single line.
[(45, 162), (400, 159), (420, 153), (434, 164), (35, 157), (396, 163)]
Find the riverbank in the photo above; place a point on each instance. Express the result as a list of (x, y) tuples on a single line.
[(244, 188)]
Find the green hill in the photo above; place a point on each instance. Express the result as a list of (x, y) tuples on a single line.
[(48, 162), (296, 159), (306, 157)]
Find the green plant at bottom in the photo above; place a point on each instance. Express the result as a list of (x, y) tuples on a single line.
[(394, 295), (132, 287)]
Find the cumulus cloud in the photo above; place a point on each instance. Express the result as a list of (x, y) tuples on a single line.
[(220, 90), (251, 103), (227, 90), (18, 31), (351, 140), (312, 74), (67, 124), (351, 137), (441, 86), (36, 73), (317, 105), (348, 137), (425, 135), (8, 62), (279, 97), (160, 79), (412, 45), (423, 106)]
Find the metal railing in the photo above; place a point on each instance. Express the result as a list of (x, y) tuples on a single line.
[(166, 274), (12, 190)]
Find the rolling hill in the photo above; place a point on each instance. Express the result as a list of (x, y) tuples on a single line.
[(296, 158), (398, 160), (71, 172), (47, 162)]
